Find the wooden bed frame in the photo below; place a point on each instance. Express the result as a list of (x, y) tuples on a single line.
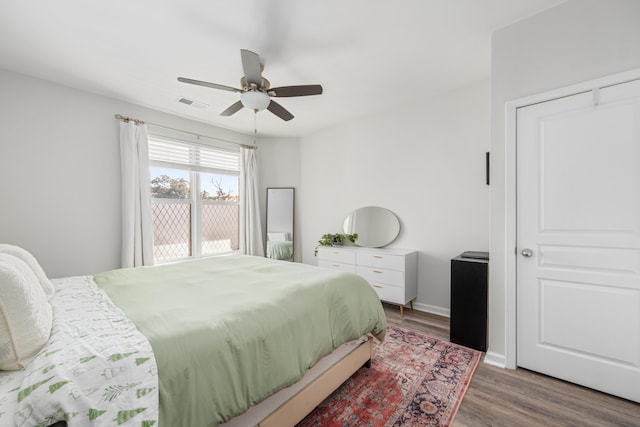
[(300, 405)]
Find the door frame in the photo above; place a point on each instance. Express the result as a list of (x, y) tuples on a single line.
[(511, 242)]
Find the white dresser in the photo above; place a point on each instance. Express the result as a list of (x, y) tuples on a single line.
[(393, 273)]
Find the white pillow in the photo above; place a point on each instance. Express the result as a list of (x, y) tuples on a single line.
[(277, 237), (25, 314), (30, 260)]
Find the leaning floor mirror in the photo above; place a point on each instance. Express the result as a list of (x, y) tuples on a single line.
[(280, 202)]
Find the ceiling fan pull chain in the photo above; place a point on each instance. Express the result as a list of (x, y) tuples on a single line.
[(255, 126)]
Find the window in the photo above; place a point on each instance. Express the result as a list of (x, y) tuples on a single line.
[(194, 199)]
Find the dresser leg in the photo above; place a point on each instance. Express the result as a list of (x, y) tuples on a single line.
[(411, 304), (401, 310)]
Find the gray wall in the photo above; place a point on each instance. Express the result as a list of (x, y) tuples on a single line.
[(577, 41), (279, 166), (425, 162), (60, 169)]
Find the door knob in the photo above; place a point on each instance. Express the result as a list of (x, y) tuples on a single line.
[(526, 252)]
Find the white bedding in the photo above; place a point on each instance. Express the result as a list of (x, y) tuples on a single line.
[(96, 369)]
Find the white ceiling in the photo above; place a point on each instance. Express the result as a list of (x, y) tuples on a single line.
[(369, 55)]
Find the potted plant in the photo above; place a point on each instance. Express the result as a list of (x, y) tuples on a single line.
[(335, 239)]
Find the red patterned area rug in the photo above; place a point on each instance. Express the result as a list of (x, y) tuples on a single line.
[(414, 380)]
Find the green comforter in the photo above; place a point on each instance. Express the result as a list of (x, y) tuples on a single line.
[(280, 250), (228, 332)]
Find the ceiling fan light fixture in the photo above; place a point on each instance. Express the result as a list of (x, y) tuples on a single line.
[(255, 100), (256, 90)]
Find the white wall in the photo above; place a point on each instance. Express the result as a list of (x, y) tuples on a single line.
[(279, 166), (577, 41), (60, 169), (425, 163)]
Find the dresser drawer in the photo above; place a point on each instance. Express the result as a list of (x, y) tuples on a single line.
[(389, 293), (351, 268), (337, 255), (381, 275), (373, 259)]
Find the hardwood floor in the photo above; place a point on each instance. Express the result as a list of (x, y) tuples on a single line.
[(518, 397)]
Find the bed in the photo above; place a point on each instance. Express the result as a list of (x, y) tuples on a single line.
[(282, 250), (279, 246), (202, 342)]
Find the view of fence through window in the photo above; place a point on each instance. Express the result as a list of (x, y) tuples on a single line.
[(194, 213)]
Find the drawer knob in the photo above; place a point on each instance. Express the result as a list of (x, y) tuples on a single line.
[(377, 286), (377, 256), (377, 271), (335, 265)]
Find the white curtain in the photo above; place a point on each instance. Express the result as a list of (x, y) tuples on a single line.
[(137, 229), (250, 227)]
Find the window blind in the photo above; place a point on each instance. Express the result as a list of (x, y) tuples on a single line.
[(177, 154)]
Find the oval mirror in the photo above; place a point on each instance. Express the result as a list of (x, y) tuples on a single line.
[(376, 227)]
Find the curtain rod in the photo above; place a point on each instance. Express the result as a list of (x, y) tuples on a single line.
[(140, 122)]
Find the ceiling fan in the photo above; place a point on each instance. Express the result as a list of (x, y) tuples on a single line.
[(255, 92)]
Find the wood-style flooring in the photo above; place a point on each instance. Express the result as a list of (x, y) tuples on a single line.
[(518, 397)]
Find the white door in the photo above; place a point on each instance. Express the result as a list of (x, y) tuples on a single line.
[(578, 233)]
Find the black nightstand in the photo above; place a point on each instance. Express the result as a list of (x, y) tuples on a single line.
[(468, 323)]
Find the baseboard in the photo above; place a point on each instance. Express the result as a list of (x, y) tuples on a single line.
[(440, 311), (495, 359), (490, 358)]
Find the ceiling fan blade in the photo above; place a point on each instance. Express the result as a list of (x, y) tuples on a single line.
[(251, 66), (279, 111), (234, 108), (304, 90), (207, 84)]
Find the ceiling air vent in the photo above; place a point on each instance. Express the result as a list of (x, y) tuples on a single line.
[(192, 103)]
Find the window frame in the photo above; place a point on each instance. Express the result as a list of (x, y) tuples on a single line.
[(195, 201)]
